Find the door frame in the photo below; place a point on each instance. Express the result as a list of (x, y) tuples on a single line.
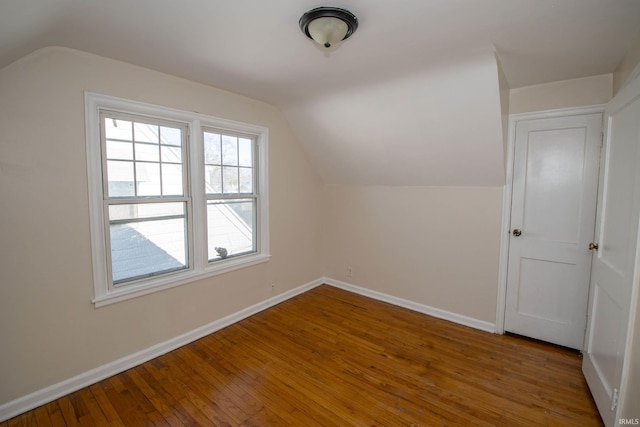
[(507, 193)]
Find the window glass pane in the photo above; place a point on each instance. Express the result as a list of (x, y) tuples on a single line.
[(229, 180), (117, 129), (147, 152), (171, 180), (246, 180), (212, 150), (213, 179), (171, 136), (148, 179), (119, 150), (230, 228), (147, 239), (144, 132), (120, 179), (132, 211), (171, 154), (245, 152), (229, 150)]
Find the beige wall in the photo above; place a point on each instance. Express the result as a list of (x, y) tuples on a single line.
[(581, 92), (436, 246), (49, 329)]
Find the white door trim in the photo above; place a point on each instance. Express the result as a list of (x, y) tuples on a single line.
[(507, 195)]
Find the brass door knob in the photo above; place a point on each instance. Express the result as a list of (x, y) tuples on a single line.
[(593, 246)]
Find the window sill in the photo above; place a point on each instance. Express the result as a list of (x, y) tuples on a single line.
[(179, 278)]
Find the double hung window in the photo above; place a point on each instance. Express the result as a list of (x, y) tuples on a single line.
[(231, 199), (174, 196), (146, 196)]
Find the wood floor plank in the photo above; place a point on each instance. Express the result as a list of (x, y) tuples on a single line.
[(55, 414), (384, 381), (259, 376), (196, 390), (110, 413), (42, 418), (333, 358), (234, 408), (15, 422), (67, 410), (28, 418), (162, 403), (342, 385), (174, 387)]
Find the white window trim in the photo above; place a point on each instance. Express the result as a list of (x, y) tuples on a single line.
[(200, 267)]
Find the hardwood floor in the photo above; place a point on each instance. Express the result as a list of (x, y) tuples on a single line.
[(333, 358)]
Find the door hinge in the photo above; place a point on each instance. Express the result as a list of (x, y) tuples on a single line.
[(614, 399)]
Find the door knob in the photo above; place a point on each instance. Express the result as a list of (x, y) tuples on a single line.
[(517, 232), (593, 246)]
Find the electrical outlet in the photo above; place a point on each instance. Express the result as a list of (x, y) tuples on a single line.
[(349, 271), (273, 287)]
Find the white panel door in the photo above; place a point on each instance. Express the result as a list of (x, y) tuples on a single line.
[(555, 181), (614, 270)]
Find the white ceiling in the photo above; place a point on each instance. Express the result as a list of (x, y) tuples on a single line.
[(255, 48)]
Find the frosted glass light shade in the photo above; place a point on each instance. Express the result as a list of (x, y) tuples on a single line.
[(328, 25), (328, 31)]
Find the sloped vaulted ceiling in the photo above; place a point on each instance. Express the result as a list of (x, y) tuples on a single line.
[(410, 99), (440, 126)]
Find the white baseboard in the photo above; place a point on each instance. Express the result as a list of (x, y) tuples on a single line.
[(55, 391), (411, 305)]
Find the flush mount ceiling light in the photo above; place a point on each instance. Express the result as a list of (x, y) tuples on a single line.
[(328, 25)]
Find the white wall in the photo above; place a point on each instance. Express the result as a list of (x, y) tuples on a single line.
[(504, 108), (49, 329), (628, 64), (572, 93)]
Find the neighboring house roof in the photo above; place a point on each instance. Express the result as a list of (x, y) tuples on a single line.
[(143, 248)]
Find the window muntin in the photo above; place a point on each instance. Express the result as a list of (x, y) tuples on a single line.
[(232, 203), (144, 158)]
